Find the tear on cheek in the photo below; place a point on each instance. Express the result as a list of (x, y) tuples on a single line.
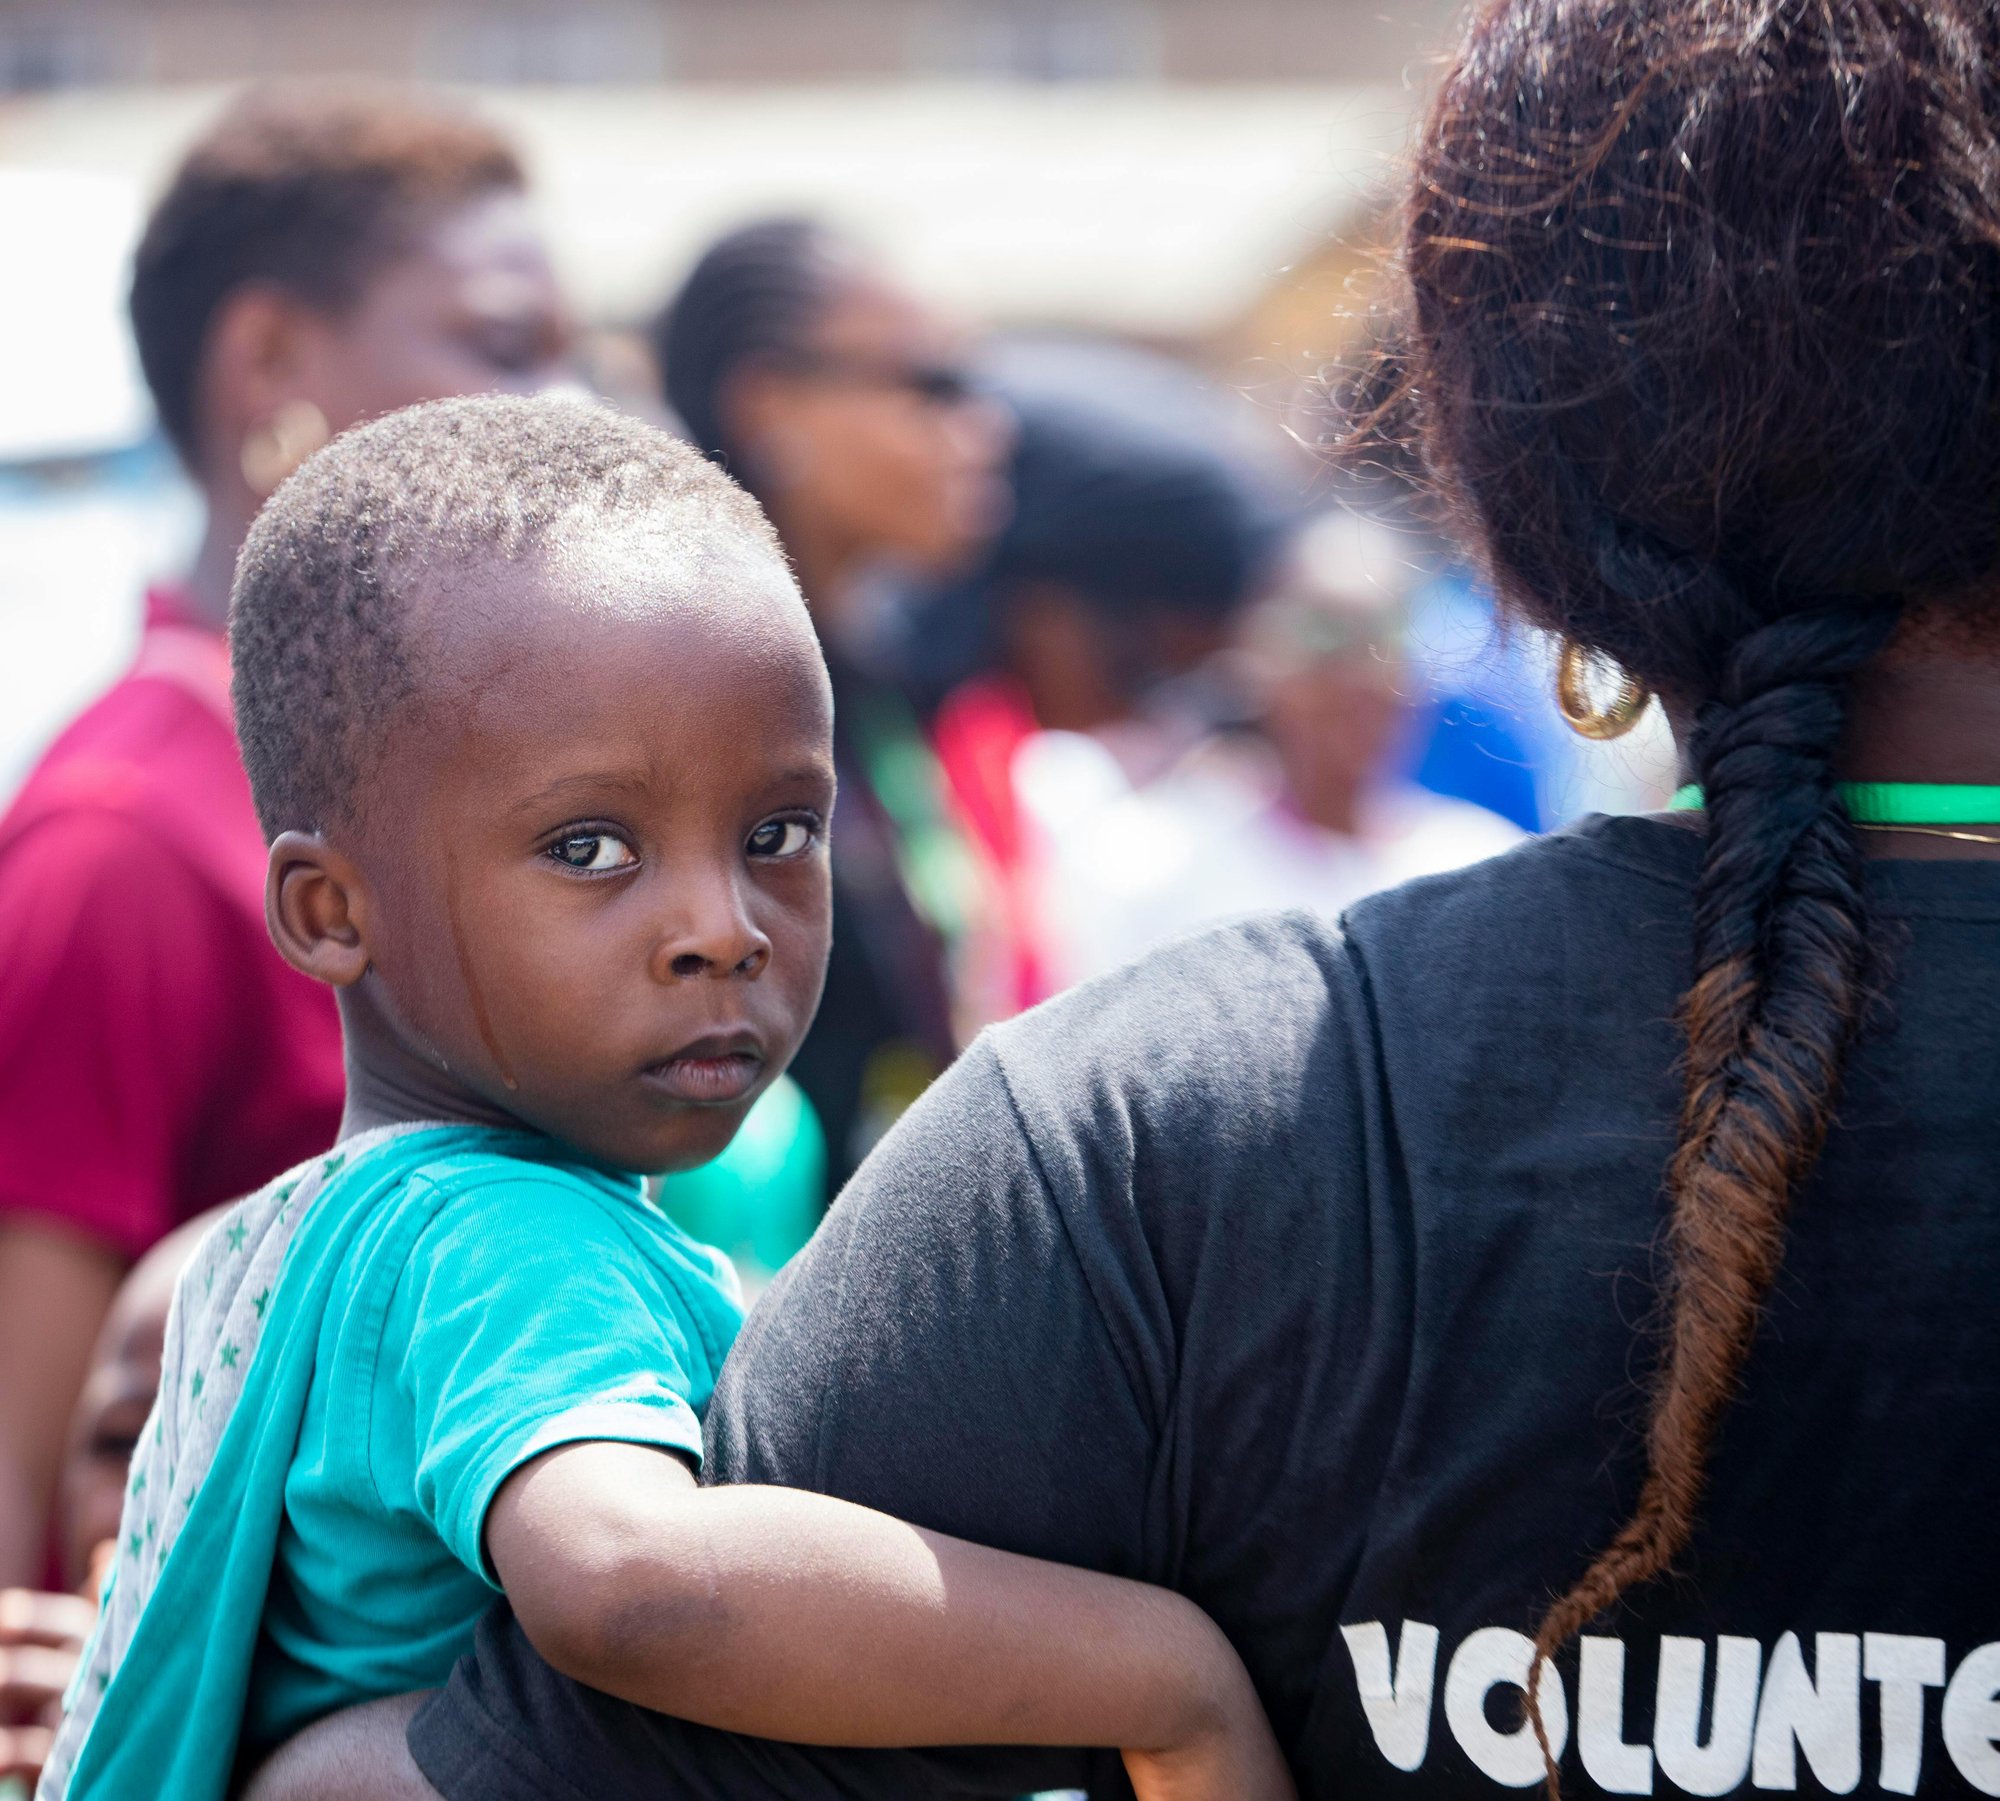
[(482, 1020)]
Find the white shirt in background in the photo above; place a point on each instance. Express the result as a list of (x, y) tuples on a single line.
[(1118, 870)]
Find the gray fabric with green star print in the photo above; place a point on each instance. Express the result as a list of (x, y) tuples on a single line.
[(215, 1491)]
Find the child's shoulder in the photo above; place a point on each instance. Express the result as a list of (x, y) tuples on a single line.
[(509, 1235), (517, 1209), (459, 1209), (505, 1187), (383, 1196)]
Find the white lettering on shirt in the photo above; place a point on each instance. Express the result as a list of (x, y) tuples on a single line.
[(1398, 1703), (1760, 1715), (1490, 1657), (1972, 1719), (1819, 1715), (1904, 1668), (1611, 1763), (1720, 1764)]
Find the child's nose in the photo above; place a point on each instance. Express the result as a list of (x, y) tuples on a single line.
[(716, 937), (692, 963)]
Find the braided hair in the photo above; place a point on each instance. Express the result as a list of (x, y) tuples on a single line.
[(1698, 309), (755, 294)]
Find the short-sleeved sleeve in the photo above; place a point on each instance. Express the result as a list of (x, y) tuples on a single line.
[(113, 1024), (529, 1316), (941, 1349)]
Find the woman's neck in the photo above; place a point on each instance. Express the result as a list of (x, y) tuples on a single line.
[(1929, 712), (828, 562), (214, 569)]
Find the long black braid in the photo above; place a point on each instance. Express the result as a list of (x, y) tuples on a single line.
[(1780, 966), (1697, 327)]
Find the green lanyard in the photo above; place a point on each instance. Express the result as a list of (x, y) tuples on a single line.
[(1897, 803)]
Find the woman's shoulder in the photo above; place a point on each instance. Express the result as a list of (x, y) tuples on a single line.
[(1601, 872), (1251, 1013), (1215, 1035), (1270, 968)]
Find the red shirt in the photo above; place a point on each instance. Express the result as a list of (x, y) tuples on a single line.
[(156, 1055)]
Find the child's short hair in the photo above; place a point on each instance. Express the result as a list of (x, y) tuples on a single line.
[(308, 188), (321, 661)]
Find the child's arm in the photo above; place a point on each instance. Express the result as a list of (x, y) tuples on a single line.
[(791, 1615)]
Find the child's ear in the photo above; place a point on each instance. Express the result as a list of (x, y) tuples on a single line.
[(311, 893)]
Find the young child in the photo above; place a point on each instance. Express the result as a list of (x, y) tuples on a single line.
[(539, 732)]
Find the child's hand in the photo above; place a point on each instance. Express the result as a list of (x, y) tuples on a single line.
[(1234, 1758), (41, 1641)]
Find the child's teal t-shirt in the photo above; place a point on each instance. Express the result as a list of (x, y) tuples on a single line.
[(505, 1302)]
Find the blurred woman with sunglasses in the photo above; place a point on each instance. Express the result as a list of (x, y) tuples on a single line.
[(843, 404)]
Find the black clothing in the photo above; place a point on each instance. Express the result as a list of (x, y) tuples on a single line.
[(883, 1031), (1299, 1272)]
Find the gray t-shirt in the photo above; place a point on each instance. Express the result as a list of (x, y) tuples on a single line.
[(1299, 1270)]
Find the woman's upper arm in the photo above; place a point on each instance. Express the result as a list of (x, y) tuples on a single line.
[(939, 1351), (55, 1289)]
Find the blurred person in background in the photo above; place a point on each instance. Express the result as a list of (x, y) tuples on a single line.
[(845, 405), (1132, 544), (1307, 803), (42, 1634), (318, 258)]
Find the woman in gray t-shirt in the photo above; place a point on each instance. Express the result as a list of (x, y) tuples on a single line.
[(1548, 1324)]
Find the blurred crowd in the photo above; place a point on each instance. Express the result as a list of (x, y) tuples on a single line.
[(1104, 673)]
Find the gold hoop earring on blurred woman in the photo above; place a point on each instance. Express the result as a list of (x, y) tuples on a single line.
[(1580, 712), (274, 449)]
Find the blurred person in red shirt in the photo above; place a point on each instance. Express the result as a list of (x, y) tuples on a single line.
[(321, 256), (1138, 534)]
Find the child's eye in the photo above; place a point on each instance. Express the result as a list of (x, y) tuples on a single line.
[(114, 1447), (593, 851), (781, 838)]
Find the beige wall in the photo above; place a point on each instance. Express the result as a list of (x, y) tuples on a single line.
[(69, 42)]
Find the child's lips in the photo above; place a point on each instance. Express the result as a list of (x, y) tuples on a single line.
[(709, 1072)]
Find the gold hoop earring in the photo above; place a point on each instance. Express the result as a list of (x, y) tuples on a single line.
[(278, 446), (1580, 712)]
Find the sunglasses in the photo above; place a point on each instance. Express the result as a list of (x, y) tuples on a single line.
[(936, 384)]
